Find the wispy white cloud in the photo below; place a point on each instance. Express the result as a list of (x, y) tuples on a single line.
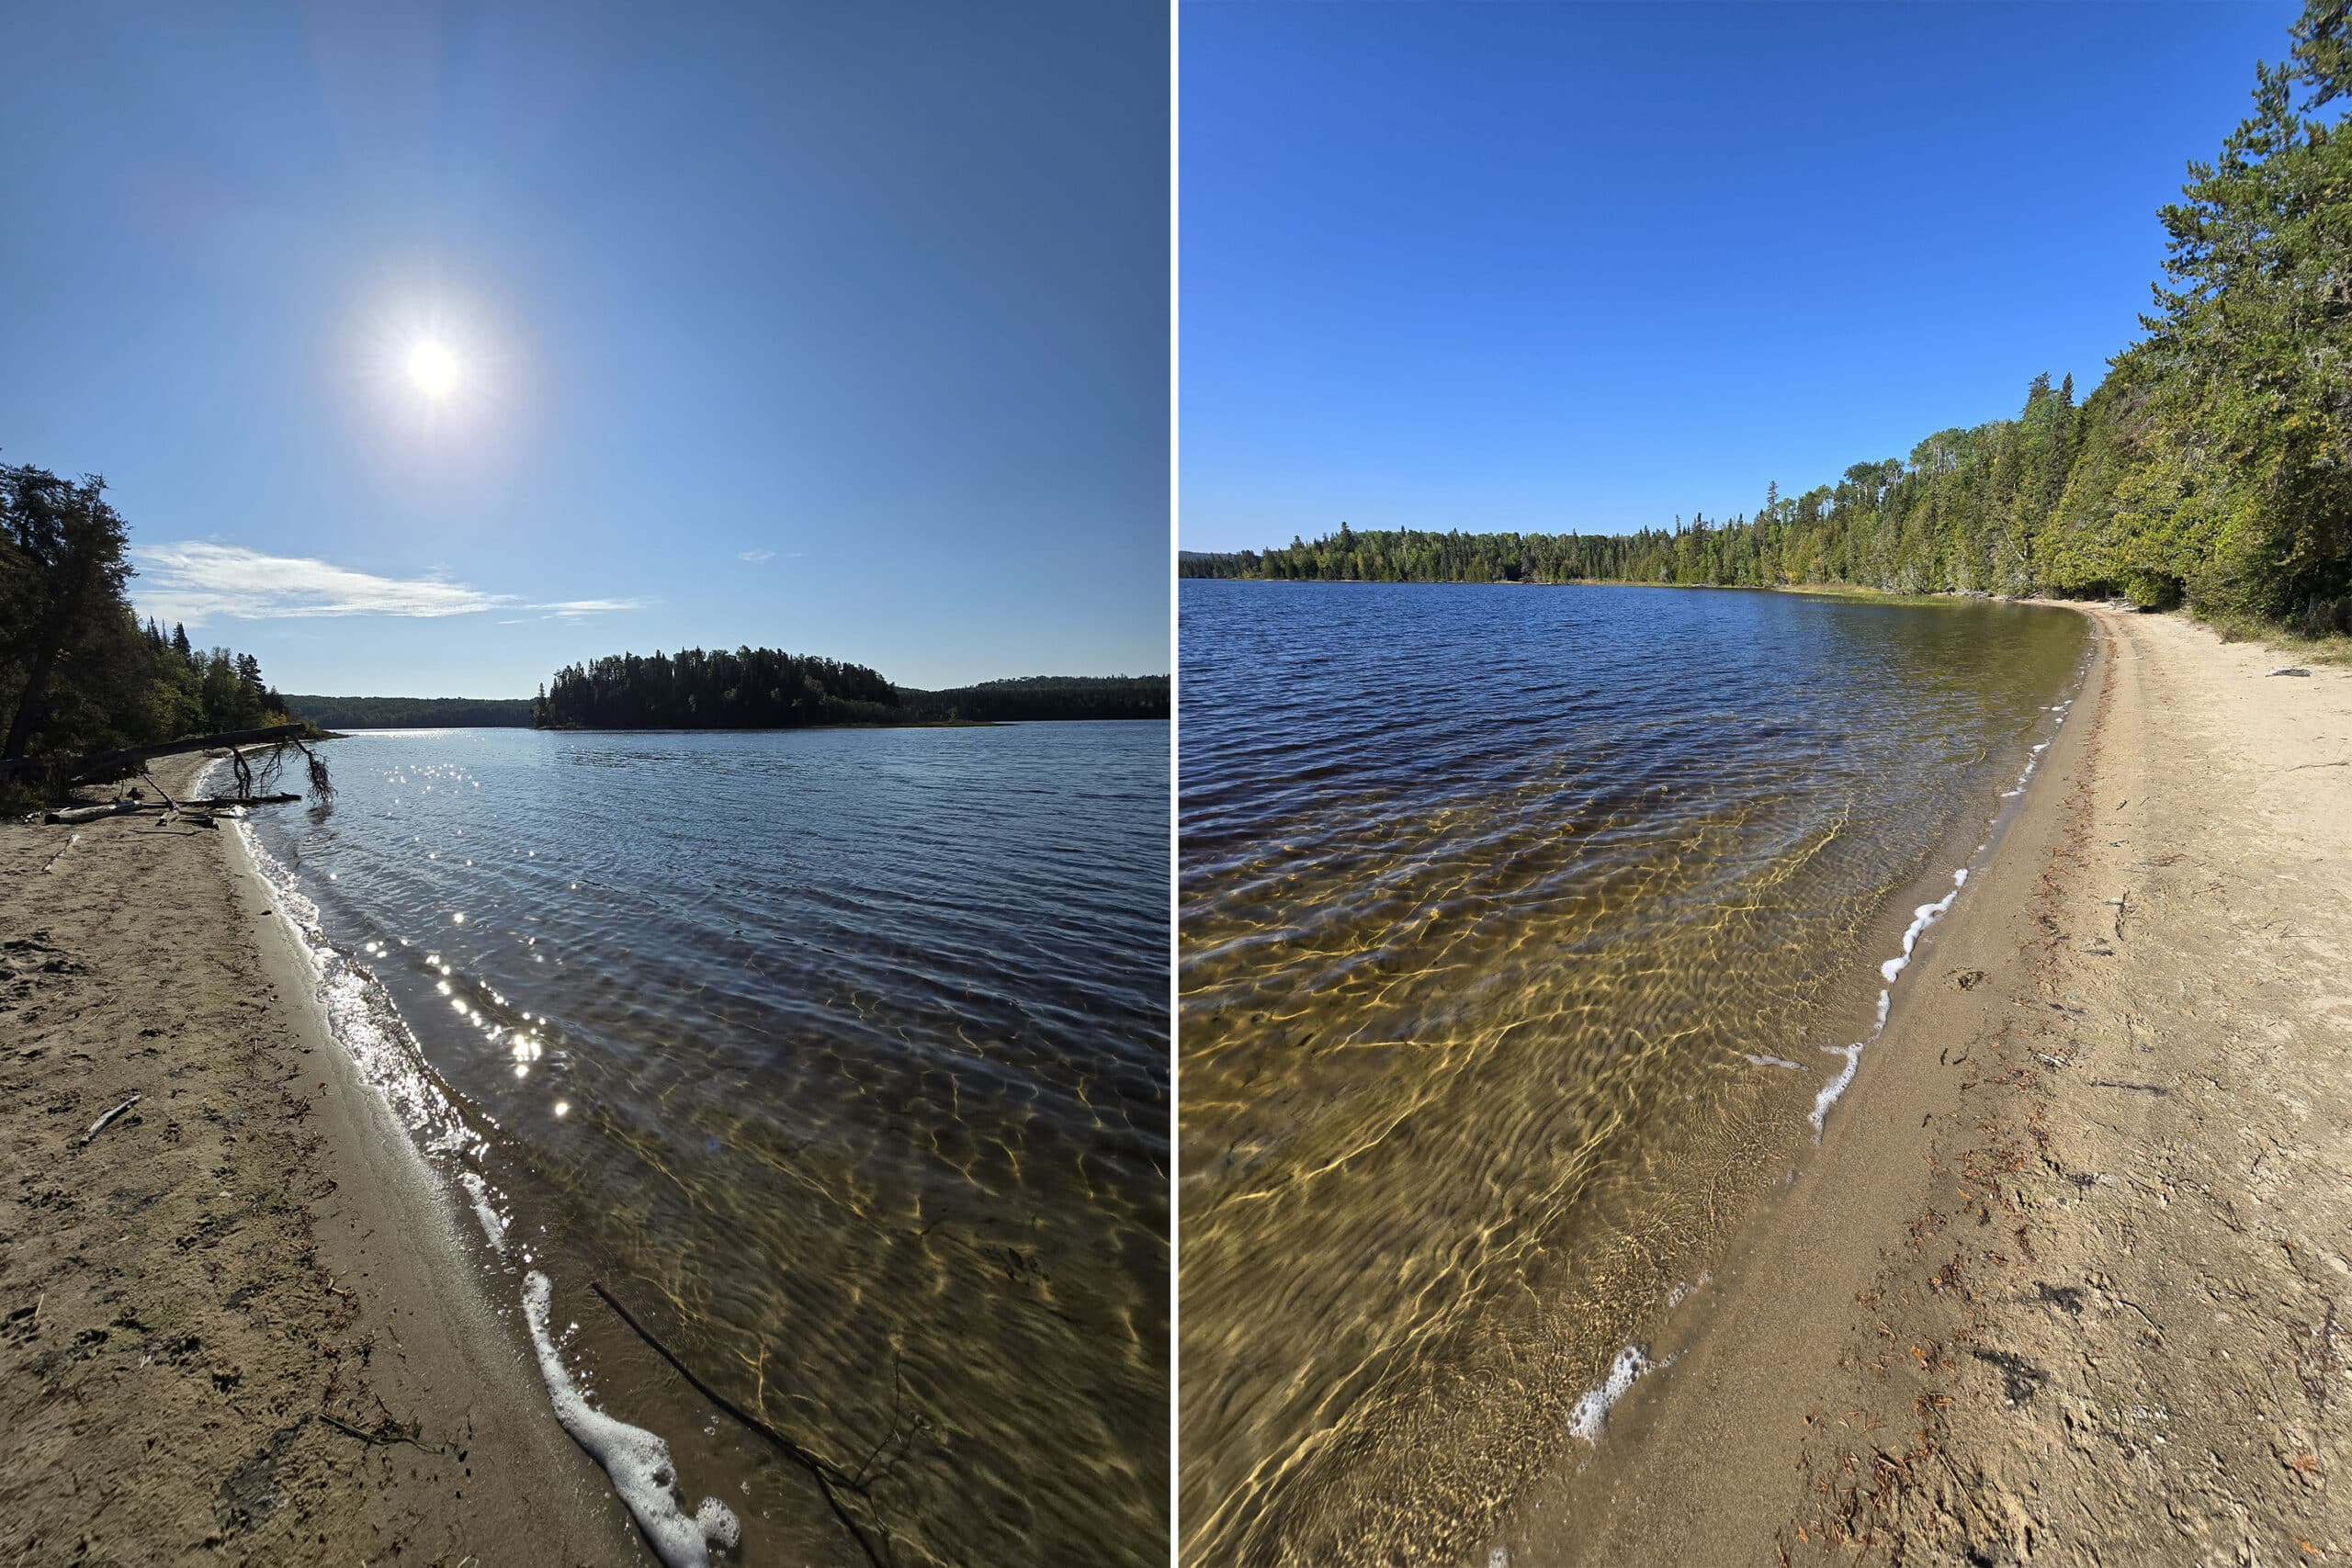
[(571, 609), (756, 556), (198, 582)]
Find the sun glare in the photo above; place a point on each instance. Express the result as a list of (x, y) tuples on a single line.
[(434, 369)]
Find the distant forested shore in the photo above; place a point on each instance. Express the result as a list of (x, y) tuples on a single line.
[(2212, 465), (411, 713), (747, 689), (763, 688), (1036, 698)]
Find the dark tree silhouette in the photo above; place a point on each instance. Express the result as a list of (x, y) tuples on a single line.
[(761, 688), (79, 673)]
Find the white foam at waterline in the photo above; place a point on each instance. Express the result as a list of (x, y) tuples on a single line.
[(362, 1018), (637, 1460), (360, 1015), (493, 1225), (1922, 917), (1589, 1417), (1836, 1086)]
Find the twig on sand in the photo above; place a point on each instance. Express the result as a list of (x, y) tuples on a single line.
[(100, 1125), (60, 854), (388, 1432), (898, 1392), (829, 1476), (2300, 766)]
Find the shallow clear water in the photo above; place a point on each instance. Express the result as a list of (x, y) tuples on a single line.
[(839, 1057), (1521, 933)]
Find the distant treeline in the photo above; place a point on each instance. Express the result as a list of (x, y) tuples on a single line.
[(2214, 462), (412, 713), (79, 671), (1043, 697), (761, 688)]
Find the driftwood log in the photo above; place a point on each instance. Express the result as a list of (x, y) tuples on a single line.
[(126, 807)]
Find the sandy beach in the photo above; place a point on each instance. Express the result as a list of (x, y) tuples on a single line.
[(238, 1321), (2065, 1281)]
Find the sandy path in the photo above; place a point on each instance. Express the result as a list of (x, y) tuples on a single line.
[(237, 1324), (2070, 1280)]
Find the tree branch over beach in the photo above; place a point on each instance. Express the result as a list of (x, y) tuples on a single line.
[(91, 692)]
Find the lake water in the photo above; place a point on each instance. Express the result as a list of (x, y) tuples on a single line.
[(1525, 935), (838, 1057)]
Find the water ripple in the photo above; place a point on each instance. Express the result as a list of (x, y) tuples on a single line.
[(848, 1052), (1504, 914)]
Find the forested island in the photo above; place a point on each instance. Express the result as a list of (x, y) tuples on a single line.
[(80, 673), (2213, 464), (763, 688), (411, 713)]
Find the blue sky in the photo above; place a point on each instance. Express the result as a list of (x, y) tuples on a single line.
[(836, 328), (1552, 267)]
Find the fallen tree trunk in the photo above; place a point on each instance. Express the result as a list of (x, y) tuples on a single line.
[(56, 775), (73, 814), (77, 769), (78, 814)]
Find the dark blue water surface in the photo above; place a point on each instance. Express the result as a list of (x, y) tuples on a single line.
[(841, 1057)]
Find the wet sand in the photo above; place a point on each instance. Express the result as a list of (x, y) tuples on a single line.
[(2067, 1279), (239, 1323)]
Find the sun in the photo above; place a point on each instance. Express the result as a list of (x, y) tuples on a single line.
[(434, 369)]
